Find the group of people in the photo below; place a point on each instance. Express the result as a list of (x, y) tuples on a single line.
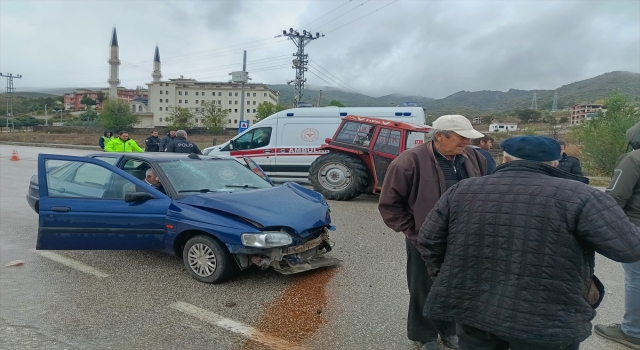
[(506, 261), (174, 141)]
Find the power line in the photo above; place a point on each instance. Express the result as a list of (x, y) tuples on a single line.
[(379, 8), (300, 62), (338, 79), (348, 1), (341, 15)]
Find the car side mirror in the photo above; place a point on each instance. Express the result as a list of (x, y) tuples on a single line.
[(133, 197), (232, 144)]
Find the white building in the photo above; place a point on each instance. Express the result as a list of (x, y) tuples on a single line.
[(503, 127)]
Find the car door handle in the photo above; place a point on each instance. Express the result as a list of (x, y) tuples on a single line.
[(61, 209), (267, 151)]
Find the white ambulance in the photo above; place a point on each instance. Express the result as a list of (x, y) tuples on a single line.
[(286, 143)]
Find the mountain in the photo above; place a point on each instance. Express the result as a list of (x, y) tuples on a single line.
[(482, 102)]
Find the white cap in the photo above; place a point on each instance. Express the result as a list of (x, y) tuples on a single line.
[(458, 124)]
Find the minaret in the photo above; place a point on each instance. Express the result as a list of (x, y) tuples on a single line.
[(114, 62), (157, 74)]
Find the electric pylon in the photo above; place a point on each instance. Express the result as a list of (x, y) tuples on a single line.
[(9, 94), (534, 103), (554, 106), (300, 61)]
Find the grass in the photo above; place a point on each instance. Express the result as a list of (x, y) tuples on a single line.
[(202, 141)]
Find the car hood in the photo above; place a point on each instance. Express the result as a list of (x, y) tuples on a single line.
[(289, 205)]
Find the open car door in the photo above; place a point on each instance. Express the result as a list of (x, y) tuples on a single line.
[(87, 204), (257, 169)]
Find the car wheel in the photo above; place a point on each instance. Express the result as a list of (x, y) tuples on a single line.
[(339, 176), (207, 260)]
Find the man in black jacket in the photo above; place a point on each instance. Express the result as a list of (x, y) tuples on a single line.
[(166, 140), (517, 271), (181, 145), (152, 142), (568, 163)]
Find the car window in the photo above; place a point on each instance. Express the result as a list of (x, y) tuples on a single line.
[(258, 137), (388, 141), (212, 175), (356, 133), (109, 160), (136, 168), (86, 180)]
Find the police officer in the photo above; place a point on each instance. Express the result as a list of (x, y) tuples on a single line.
[(152, 142), (181, 145)]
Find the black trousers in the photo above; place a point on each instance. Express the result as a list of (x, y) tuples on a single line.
[(471, 338), (420, 328)]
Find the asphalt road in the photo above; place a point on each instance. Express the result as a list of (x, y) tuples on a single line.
[(146, 300)]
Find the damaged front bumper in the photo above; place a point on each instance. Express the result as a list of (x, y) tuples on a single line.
[(293, 259)]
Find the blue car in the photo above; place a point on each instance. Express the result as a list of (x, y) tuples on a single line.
[(217, 214)]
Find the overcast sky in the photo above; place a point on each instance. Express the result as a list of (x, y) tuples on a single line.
[(376, 47)]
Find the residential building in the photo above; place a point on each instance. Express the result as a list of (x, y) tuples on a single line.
[(503, 127), (190, 93), (72, 99), (585, 111)]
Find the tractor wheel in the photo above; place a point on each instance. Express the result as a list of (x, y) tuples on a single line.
[(339, 176)]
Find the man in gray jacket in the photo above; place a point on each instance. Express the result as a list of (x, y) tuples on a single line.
[(625, 189), (513, 253)]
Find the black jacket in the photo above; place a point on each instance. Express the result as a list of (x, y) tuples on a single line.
[(165, 141), (153, 144), (513, 252), (570, 164), (181, 145)]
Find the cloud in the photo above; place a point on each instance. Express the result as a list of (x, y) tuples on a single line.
[(377, 47)]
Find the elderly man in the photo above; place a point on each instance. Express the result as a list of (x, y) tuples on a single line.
[(517, 271), (152, 179), (414, 182), (625, 190), (181, 145)]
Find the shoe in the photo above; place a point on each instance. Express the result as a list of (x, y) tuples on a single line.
[(449, 342), (614, 332), (430, 345)]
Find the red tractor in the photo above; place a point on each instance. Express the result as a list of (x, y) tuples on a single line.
[(359, 154)]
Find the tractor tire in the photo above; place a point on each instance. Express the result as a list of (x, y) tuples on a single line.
[(339, 176)]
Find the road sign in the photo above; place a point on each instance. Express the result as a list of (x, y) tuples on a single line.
[(243, 125)]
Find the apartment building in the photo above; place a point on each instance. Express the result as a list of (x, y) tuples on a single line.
[(72, 99), (583, 112)]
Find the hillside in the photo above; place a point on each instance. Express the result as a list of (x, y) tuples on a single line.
[(479, 102)]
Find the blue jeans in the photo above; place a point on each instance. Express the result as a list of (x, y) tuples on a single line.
[(631, 320)]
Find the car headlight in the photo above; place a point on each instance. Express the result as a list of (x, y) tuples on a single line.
[(266, 239)]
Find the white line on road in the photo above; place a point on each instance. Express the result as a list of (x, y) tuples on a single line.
[(233, 326), (71, 263)]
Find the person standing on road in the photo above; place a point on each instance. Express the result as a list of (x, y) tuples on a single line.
[(516, 270), (152, 142), (414, 182), (181, 145), (107, 136), (568, 163), (625, 190), (483, 145), (166, 140), (123, 144)]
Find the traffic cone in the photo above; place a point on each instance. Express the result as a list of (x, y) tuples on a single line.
[(14, 155)]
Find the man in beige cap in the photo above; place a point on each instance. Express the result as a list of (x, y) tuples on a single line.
[(414, 182)]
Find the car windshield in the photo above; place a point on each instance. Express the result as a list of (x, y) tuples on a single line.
[(216, 175)]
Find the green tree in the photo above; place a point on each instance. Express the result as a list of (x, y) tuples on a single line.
[(528, 115), (116, 115), (88, 101), (181, 118), (564, 120), (88, 116), (336, 103), (603, 138), (266, 109), (101, 97), (213, 116)]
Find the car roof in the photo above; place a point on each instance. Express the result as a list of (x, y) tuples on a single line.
[(156, 156)]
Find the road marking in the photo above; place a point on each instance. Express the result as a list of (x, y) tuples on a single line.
[(71, 263), (233, 326)]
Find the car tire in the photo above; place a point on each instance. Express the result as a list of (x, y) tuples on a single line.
[(207, 260), (339, 176)]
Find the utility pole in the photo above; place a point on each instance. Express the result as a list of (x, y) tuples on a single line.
[(300, 61), (9, 94), (46, 120), (243, 78), (554, 106), (319, 97)]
